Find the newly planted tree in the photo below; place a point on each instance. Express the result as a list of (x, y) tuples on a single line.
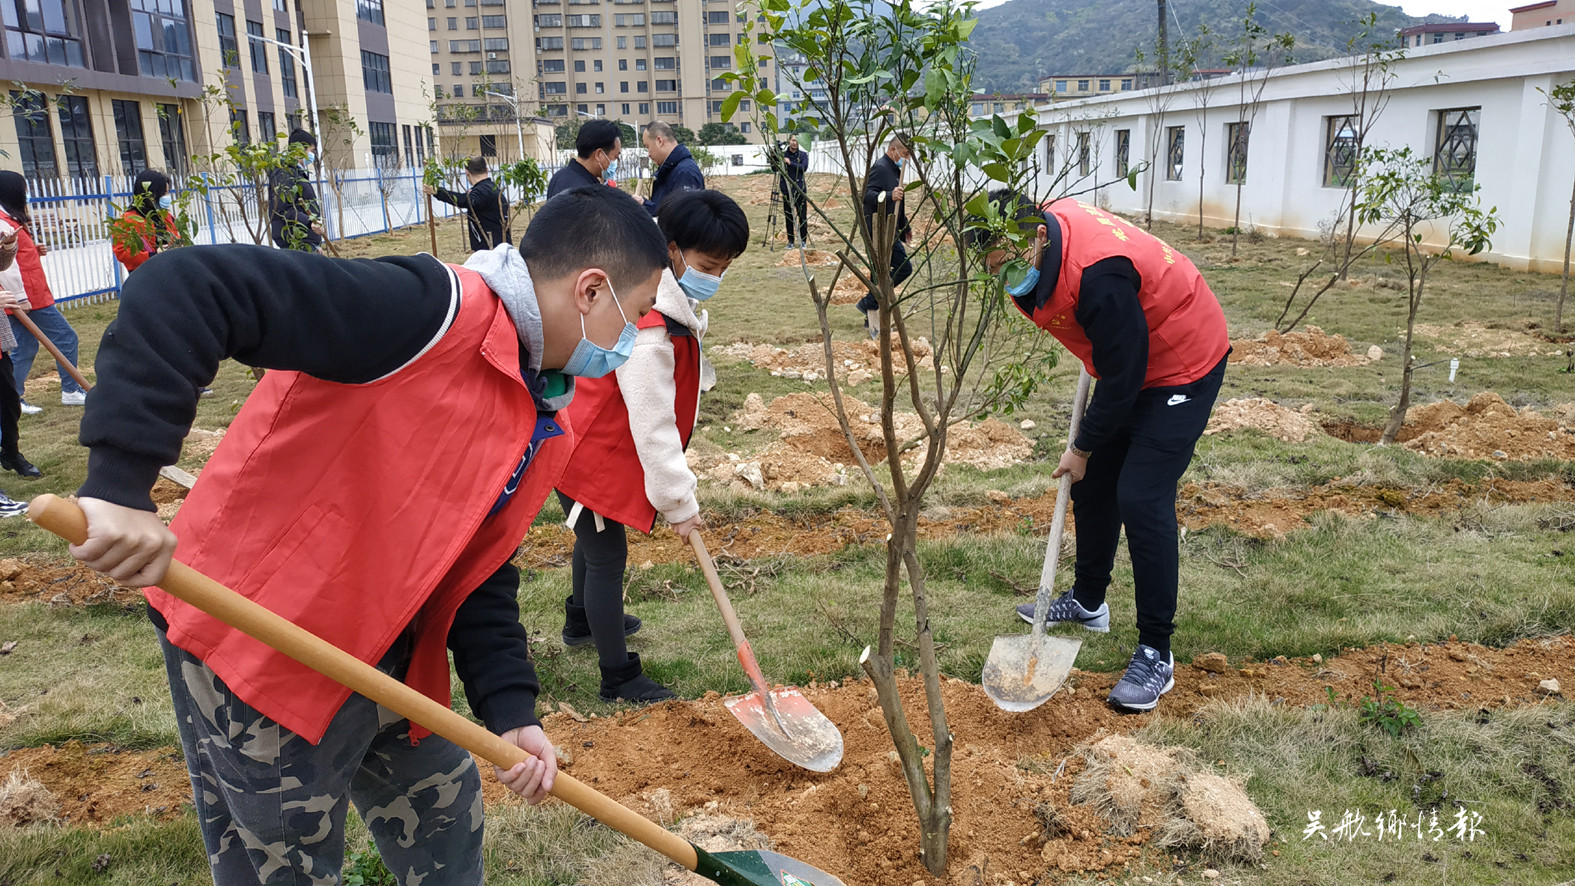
[(1562, 100), (903, 71), (1406, 193)]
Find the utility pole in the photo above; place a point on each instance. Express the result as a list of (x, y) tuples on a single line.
[(1164, 48)]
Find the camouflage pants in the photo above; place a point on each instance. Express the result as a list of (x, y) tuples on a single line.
[(272, 805)]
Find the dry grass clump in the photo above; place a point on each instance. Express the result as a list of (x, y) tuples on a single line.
[(25, 801)]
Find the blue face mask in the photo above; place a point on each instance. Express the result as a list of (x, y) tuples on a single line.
[(612, 170), (697, 284), (591, 360), (1030, 280), (901, 162), (166, 201)]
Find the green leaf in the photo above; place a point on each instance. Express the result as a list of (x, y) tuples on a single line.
[(978, 205), (1132, 180), (730, 105)]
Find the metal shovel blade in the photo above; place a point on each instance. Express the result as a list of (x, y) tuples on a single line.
[(760, 869), (798, 732), (1023, 671)]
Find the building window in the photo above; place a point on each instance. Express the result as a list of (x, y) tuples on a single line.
[(716, 107), (240, 127), (172, 133), (385, 152), (259, 49), (1050, 152), (1084, 161), (163, 42), (623, 85), (639, 43), (286, 65), (623, 64), (719, 40), (998, 107), (585, 21), (667, 86), (472, 23), (720, 85), (489, 145), (547, 44), (639, 64), (421, 146), (721, 62), (1126, 85), (623, 42), (1339, 151), (431, 24), (229, 50), (46, 32), (1123, 152), (453, 23), (718, 18), (498, 66), (1104, 86), (636, 20), (456, 68), (36, 140), (579, 66), (664, 63), (977, 109), (1455, 148), (410, 159), (585, 43), (666, 108), (551, 66), (664, 18), (580, 89), (495, 21), (645, 108), (459, 90), (374, 73), (1082, 86), (128, 132), (624, 108), (267, 130), (475, 68), (1060, 86), (76, 136), (642, 86), (555, 87), (1175, 151), (370, 11), (1236, 138)]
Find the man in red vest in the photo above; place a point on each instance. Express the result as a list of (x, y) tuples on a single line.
[(1143, 321), (631, 430), (373, 490)]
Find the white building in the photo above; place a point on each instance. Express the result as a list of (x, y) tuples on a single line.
[(1475, 106)]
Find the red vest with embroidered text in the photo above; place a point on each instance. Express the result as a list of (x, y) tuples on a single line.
[(31, 266), (358, 510), (605, 474), (1186, 326)]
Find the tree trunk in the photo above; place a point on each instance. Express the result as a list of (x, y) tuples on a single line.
[(1564, 285), (1235, 225), (1418, 278), (1203, 142)]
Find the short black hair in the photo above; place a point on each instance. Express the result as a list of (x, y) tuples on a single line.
[(1007, 202), (705, 221), (594, 227), (476, 165), (596, 135), (302, 137)]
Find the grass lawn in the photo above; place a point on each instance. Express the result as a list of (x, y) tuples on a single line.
[(1491, 573)]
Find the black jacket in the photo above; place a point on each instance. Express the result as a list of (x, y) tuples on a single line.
[(794, 166), (292, 209), (484, 209), (347, 321), (884, 175), (572, 175), (679, 172)]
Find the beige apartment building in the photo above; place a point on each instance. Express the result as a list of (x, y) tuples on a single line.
[(634, 61), (116, 86)]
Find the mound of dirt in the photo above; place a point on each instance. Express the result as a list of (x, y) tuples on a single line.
[(857, 361), (1137, 786), (1487, 427), (1471, 339), (40, 578), (95, 784), (792, 258), (1288, 425), (814, 452), (24, 801), (1314, 347)]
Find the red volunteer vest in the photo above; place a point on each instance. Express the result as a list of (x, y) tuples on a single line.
[(605, 474), (356, 510), (1186, 325), (30, 264)]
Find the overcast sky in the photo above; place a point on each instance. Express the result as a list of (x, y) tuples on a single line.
[(1478, 10)]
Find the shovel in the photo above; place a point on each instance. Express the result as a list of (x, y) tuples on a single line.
[(1023, 672), (748, 868), (783, 719)]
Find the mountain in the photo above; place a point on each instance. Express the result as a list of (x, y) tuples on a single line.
[(1023, 40)]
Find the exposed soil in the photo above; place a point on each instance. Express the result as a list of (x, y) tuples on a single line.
[(857, 362), (1472, 339), (1487, 427), (1013, 774), (1314, 347), (1289, 425), (46, 578), (793, 258), (814, 452)]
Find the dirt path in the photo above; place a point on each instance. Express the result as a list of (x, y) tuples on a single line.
[(692, 756)]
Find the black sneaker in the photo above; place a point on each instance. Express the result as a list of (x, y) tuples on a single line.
[(1146, 679), (577, 635), (20, 465), (1066, 610), (629, 683)]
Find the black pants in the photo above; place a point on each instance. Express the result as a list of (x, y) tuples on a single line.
[(597, 569), (1131, 481), (795, 203), (901, 269), (10, 410)]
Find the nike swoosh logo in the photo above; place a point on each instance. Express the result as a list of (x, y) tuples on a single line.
[(1177, 399)]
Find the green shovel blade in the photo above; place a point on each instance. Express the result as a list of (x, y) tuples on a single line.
[(760, 869)]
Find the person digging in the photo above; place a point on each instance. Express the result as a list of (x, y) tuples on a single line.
[(1143, 321), (631, 430), (373, 490)]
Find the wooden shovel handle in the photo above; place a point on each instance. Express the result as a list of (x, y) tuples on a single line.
[(66, 520), (1062, 497), (71, 369), (746, 655)]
